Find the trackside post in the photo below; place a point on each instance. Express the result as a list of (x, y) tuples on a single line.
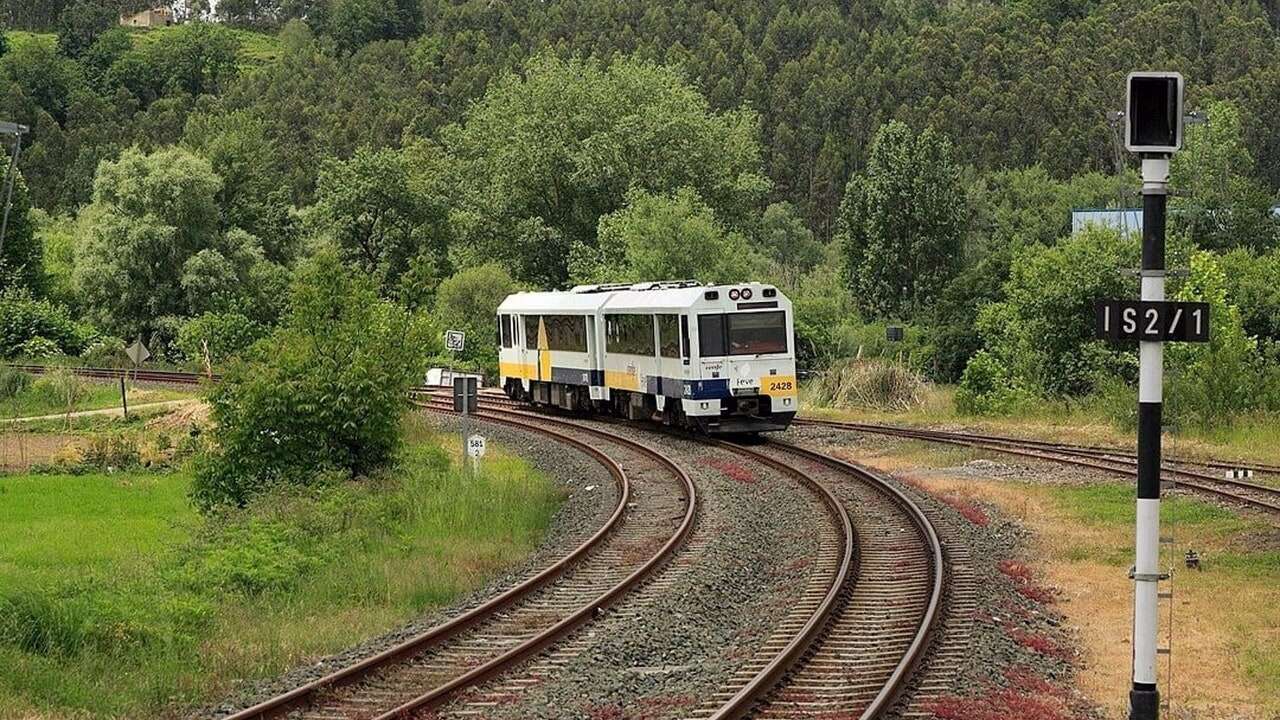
[(1153, 124)]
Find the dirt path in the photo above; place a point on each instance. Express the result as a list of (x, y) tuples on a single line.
[(109, 412)]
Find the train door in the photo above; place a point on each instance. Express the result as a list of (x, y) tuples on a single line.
[(544, 351), (668, 361)]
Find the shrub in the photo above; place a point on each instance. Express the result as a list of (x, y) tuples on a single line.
[(38, 347), (24, 319), (986, 388), (219, 336), (62, 388), (13, 382), (112, 451), (324, 392), (105, 352), (870, 383)]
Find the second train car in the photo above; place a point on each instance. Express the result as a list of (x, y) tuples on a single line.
[(716, 358)]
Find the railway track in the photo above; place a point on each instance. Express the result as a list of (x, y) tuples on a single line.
[(655, 511), (1254, 495), (877, 633), (864, 621)]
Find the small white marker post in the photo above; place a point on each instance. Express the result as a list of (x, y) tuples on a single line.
[(475, 449)]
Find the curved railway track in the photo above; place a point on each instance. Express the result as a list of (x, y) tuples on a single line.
[(864, 621), (879, 631), (645, 529), (1254, 495)]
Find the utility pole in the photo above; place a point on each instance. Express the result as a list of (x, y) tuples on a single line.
[(17, 131)]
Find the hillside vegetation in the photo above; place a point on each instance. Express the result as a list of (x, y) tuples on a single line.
[(886, 163)]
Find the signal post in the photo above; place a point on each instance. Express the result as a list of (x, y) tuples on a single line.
[(1153, 128)]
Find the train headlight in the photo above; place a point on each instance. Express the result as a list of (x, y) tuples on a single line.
[(746, 293), (734, 294)]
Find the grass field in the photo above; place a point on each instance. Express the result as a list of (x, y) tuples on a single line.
[(117, 600)]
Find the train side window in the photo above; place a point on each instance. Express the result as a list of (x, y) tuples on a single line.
[(504, 322), (628, 334), (669, 336), (711, 339), (684, 336), (531, 331), (566, 333)]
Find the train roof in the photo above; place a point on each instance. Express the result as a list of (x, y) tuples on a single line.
[(640, 296)]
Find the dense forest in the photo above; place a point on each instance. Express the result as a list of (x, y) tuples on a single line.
[(897, 161)]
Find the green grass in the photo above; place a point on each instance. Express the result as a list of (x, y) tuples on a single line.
[(38, 400), (19, 38), (1113, 504), (117, 600), (256, 48)]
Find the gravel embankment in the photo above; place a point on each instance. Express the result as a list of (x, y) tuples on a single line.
[(666, 648), (582, 513)]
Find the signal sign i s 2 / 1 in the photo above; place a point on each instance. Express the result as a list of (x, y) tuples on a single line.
[(1151, 320)]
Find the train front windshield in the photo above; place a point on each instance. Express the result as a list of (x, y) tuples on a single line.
[(761, 333)]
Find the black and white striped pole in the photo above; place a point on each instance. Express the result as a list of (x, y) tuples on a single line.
[(1153, 122)]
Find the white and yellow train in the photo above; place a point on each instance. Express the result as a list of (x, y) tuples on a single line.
[(716, 358)]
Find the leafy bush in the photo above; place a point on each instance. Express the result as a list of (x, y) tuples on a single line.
[(323, 392), (38, 347), (220, 335), (109, 451), (1042, 332), (874, 383), (23, 318), (105, 352), (13, 382), (987, 388), (1213, 384)]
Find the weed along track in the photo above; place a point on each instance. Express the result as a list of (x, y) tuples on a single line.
[(1110, 460), (655, 512), (853, 652)]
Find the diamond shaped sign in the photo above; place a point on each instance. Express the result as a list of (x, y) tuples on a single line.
[(137, 352)]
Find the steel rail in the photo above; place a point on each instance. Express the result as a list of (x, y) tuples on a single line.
[(784, 660), (445, 631), (1115, 466), (436, 696), (773, 673), (928, 623)]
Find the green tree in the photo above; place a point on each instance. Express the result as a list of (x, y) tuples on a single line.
[(195, 58), (468, 301), (1228, 206), (544, 155), (151, 246), (22, 255), (902, 222), (1041, 334), (324, 392), (663, 237), (82, 22), (787, 244), (254, 195), (373, 211), (353, 23)]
